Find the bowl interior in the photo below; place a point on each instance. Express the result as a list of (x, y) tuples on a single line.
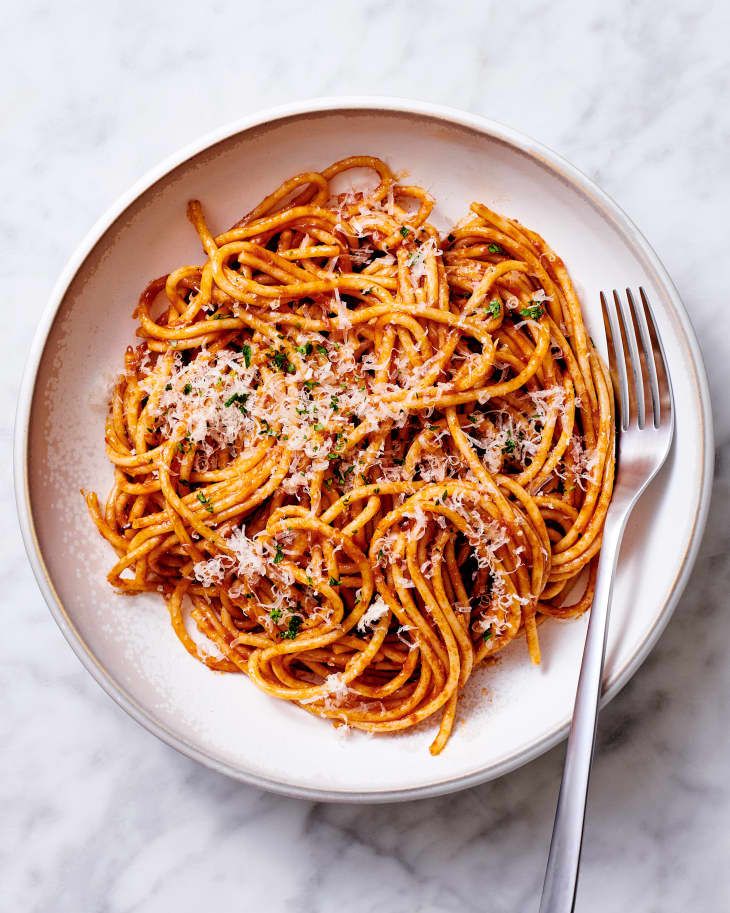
[(512, 710)]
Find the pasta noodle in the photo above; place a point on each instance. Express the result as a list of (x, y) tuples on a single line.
[(358, 459)]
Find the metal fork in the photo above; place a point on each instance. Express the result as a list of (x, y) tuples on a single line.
[(644, 429)]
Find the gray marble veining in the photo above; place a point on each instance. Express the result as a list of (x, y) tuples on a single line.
[(97, 815)]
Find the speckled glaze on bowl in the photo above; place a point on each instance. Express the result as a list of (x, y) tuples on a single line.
[(512, 711)]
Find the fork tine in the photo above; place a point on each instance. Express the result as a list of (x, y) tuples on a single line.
[(648, 347), (638, 361), (616, 359), (661, 384), (634, 379)]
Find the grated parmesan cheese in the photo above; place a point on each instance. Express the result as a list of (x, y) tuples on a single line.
[(375, 611)]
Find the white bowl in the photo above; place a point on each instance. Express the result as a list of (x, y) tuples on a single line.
[(127, 643)]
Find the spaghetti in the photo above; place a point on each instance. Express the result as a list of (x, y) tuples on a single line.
[(359, 457)]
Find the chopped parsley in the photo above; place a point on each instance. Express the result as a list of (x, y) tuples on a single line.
[(237, 399), (279, 556), (509, 446), (246, 351), (306, 349), (275, 615), (533, 311), (494, 249), (338, 473), (487, 635), (281, 361), (206, 502), (404, 231), (493, 308), (187, 389), (334, 581), (295, 623), (322, 349)]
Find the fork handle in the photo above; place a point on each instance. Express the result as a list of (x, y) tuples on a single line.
[(561, 875)]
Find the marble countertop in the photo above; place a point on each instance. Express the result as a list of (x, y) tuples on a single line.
[(97, 815)]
